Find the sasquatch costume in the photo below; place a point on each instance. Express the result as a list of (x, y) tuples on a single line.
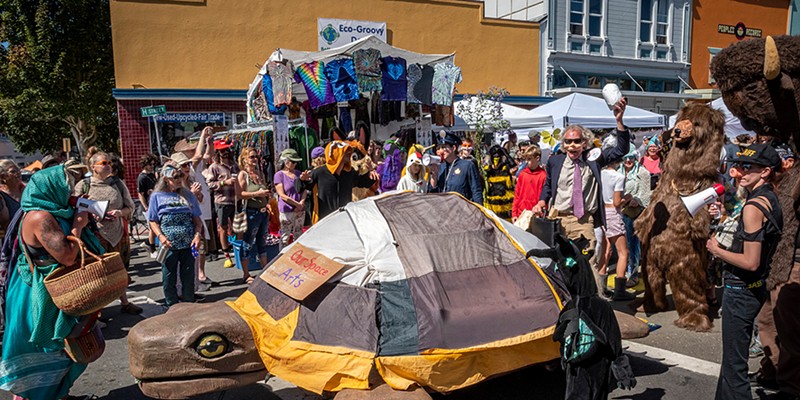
[(499, 188), (591, 343), (760, 83), (673, 242)]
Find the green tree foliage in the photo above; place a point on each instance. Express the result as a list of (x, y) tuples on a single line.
[(56, 74)]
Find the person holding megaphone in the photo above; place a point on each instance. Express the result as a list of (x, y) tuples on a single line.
[(746, 264)]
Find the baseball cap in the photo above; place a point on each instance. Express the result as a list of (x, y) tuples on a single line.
[(291, 155), (760, 154), (449, 138), (317, 152), (169, 170), (221, 145)]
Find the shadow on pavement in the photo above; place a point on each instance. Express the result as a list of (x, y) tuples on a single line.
[(648, 394)]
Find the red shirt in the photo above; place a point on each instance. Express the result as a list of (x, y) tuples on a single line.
[(529, 188)]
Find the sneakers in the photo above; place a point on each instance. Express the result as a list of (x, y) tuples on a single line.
[(153, 254), (756, 350)]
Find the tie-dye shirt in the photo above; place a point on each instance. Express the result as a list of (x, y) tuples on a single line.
[(313, 78), (282, 77), (394, 79), (368, 70), (341, 74), (445, 77), (413, 75)]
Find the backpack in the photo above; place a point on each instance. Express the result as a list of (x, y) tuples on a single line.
[(580, 338), (8, 257)]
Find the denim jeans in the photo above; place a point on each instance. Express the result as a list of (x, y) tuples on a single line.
[(634, 248), (740, 306), (178, 262), (255, 237)]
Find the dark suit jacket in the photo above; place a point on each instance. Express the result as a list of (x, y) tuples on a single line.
[(607, 156)]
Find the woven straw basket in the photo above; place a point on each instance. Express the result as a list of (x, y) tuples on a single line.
[(90, 287)]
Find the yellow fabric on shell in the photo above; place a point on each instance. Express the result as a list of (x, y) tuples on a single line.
[(445, 370), (313, 367)]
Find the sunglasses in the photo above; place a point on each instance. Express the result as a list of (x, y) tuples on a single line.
[(253, 157), (629, 158), (744, 166), (103, 163), (573, 141)]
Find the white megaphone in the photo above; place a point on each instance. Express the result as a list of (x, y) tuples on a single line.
[(697, 201), (428, 159)]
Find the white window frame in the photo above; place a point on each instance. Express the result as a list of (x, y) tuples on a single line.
[(653, 44), (584, 38)]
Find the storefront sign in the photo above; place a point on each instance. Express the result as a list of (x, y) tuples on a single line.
[(739, 30), (339, 32), (191, 117), (300, 271), (153, 110)]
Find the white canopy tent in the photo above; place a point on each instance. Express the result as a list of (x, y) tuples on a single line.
[(521, 120), (733, 127), (593, 113)]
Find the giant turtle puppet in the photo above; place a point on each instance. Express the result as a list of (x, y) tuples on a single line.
[(436, 292)]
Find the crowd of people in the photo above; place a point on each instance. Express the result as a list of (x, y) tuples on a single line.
[(202, 201)]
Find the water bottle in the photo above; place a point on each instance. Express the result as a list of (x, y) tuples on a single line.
[(195, 253), (162, 254)]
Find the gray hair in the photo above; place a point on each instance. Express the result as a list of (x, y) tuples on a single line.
[(6, 165), (587, 135)]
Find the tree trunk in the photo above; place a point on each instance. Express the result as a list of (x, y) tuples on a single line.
[(85, 135)]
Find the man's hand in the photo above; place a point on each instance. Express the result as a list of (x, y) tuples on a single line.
[(230, 181), (713, 246), (619, 111), (538, 209), (207, 131), (374, 175), (80, 221), (305, 176)]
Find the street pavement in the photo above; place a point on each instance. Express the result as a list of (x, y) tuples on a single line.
[(671, 363)]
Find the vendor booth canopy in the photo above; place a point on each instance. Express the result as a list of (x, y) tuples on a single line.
[(593, 113), (370, 42), (442, 303), (521, 120), (733, 127)]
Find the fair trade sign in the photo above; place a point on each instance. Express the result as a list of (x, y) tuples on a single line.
[(300, 271)]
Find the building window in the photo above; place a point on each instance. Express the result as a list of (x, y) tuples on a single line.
[(661, 55), (646, 21), (712, 51), (594, 48), (645, 53), (576, 17), (594, 82), (662, 22), (671, 87), (595, 17), (625, 84), (576, 47)]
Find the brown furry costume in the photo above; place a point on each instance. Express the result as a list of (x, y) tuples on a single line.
[(673, 242)]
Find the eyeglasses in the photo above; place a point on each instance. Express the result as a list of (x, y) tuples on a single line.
[(573, 141), (103, 163), (253, 157), (629, 158), (743, 166)]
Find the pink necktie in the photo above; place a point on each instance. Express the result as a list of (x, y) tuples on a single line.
[(577, 191)]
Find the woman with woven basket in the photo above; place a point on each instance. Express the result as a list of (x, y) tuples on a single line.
[(102, 185), (174, 216), (34, 364)]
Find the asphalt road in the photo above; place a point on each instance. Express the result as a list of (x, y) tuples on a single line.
[(671, 363)]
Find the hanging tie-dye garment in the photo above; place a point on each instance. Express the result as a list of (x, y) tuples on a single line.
[(341, 74), (395, 86), (368, 70), (414, 74), (317, 86), (445, 77), (266, 87), (282, 74)]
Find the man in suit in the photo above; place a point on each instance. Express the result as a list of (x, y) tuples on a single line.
[(580, 206)]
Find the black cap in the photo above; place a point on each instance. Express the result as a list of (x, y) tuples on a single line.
[(760, 154), (449, 138)]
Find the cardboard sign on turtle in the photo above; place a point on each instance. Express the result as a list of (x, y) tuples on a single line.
[(300, 271)]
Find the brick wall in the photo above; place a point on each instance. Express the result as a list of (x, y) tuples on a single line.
[(134, 129)]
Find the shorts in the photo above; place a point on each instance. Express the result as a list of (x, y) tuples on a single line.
[(225, 214), (614, 224)]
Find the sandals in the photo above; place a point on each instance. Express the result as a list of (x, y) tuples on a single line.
[(248, 280), (208, 281)]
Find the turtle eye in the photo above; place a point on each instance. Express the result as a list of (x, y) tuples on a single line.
[(211, 346)]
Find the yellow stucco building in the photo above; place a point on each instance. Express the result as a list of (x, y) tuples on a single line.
[(197, 57)]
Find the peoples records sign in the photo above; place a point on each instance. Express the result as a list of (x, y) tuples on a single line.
[(339, 32)]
